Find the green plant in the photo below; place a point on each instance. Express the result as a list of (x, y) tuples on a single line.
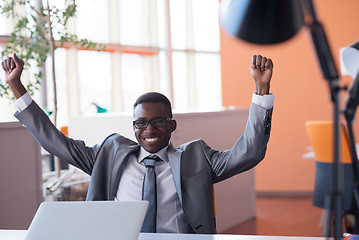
[(38, 31)]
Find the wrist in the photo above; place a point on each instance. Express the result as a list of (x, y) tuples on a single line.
[(262, 90), (17, 88)]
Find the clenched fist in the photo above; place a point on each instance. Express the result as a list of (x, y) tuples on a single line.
[(13, 67), (261, 71)]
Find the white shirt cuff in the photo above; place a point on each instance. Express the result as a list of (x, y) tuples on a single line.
[(23, 102), (265, 101)]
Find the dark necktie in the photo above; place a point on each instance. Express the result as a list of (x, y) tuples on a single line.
[(149, 193)]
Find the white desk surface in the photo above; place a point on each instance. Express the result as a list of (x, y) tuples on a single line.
[(163, 236), (310, 154), (12, 234), (20, 235)]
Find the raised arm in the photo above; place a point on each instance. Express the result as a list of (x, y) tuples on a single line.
[(13, 67), (261, 70), (39, 125), (251, 147)]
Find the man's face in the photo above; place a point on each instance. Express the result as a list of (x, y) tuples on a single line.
[(153, 139)]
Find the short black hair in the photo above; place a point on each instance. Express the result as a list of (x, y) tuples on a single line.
[(154, 97)]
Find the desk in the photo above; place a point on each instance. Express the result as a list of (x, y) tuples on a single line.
[(163, 236), (12, 234), (20, 235)]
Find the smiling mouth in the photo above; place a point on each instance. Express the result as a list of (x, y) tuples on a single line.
[(151, 140)]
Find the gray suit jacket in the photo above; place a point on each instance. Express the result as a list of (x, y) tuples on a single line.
[(195, 166)]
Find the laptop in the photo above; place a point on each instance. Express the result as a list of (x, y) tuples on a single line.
[(90, 220)]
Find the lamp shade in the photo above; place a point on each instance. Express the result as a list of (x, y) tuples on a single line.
[(349, 60), (261, 21)]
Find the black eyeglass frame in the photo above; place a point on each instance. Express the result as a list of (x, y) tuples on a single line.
[(151, 121)]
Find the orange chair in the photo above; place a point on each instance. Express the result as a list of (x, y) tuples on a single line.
[(64, 130), (320, 134)]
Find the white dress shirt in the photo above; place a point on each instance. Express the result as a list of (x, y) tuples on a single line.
[(170, 216)]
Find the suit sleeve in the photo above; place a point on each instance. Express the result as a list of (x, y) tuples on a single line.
[(74, 152), (248, 151)]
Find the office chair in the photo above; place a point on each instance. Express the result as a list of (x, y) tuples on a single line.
[(320, 134)]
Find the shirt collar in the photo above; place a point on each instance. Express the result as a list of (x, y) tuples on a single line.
[(161, 153)]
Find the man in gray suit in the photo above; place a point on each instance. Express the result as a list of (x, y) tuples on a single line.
[(185, 174)]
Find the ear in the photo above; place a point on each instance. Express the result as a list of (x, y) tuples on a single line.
[(173, 125)]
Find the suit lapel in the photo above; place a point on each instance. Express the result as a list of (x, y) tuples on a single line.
[(174, 157)]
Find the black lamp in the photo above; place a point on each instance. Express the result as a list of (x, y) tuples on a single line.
[(262, 22), (274, 21)]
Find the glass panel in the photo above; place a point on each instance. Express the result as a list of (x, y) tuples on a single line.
[(162, 20), (180, 79), (29, 77), (137, 25), (178, 24), (61, 84), (5, 29), (208, 80), (133, 79), (94, 69), (206, 26), (92, 20), (164, 74), (131, 22)]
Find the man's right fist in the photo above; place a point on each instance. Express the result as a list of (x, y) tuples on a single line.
[(13, 67)]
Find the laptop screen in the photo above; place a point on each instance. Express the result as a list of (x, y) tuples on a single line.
[(90, 220)]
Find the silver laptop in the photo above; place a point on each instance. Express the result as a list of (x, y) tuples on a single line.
[(91, 220)]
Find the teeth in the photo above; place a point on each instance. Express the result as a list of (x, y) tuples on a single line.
[(151, 139)]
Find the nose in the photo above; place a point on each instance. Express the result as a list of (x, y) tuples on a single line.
[(150, 128)]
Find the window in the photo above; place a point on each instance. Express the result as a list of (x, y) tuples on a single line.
[(61, 67), (196, 60), (171, 46), (94, 76)]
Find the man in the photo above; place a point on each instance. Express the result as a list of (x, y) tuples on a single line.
[(185, 174)]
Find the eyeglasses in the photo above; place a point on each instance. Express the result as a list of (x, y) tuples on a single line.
[(142, 124)]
